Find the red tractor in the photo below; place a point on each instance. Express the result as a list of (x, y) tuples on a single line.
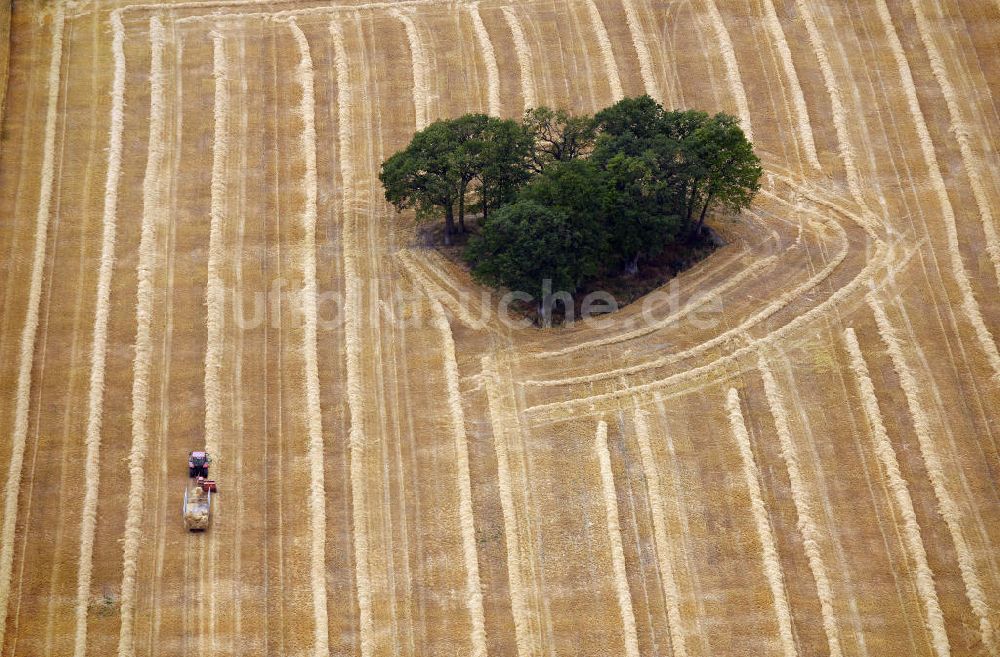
[(198, 464), (198, 493)]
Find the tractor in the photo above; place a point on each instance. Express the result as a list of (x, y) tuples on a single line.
[(197, 510)]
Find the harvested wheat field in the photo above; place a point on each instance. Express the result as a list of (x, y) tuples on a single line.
[(794, 451)]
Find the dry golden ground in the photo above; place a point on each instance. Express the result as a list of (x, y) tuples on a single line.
[(195, 250)]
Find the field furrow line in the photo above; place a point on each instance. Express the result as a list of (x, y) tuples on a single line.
[(607, 54), (947, 507), (473, 592), (99, 345), (489, 59), (314, 420), (435, 291), (352, 339), (418, 59), (969, 303), (732, 67), (151, 215), (524, 59), (615, 540), (803, 506), (765, 534), (769, 310), (502, 422), (22, 394), (215, 295), (911, 529), (875, 262), (691, 306), (840, 116), (664, 551), (798, 98)]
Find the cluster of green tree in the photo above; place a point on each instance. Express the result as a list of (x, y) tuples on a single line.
[(568, 198)]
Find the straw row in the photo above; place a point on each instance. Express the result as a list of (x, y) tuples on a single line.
[(947, 507), (969, 303), (607, 54), (803, 507), (352, 339), (99, 346), (840, 117), (29, 332), (664, 552), (502, 423), (691, 306), (152, 214), (798, 99), (473, 591), (765, 534), (317, 491), (615, 539), (732, 67), (419, 65), (768, 311), (641, 49), (215, 300), (890, 465), (523, 58), (489, 59)]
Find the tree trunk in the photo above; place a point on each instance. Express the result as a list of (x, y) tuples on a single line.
[(632, 266), (461, 209), (701, 219), (449, 223), (690, 205)]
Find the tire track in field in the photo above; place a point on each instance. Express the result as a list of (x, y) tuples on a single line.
[(317, 492), (803, 507), (99, 344), (923, 576), (151, 214), (615, 540), (528, 91), (947, 507), (22, 394), (768, 311)]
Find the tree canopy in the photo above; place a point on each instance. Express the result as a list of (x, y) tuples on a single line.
[(568, 197)]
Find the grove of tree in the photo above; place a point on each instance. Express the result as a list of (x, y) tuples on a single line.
[(569, 198)]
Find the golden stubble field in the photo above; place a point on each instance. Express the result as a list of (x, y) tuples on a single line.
[(790, 450)]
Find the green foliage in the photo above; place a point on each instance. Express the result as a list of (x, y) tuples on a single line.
[(558, 136), (450, 160), (524, 243), (569, 197)]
